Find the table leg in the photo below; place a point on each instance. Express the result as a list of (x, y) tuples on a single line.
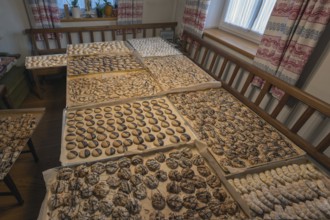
[(37, 83), (32, 150), (4, 96), (12, 187)]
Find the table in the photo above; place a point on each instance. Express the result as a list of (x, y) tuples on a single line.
[(44, 66), (16, 129)]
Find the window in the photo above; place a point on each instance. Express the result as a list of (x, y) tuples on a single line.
[(81, 3), (247, 17)]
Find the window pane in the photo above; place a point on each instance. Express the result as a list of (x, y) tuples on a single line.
[(81, 3), (263, 16), (242, 12), (60, 3)]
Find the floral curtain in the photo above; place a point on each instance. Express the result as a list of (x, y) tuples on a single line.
[(291, 34), (130, 11), (195, 15)]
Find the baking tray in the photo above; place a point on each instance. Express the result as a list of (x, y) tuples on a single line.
[(14, 145), (45, 61), (116, 117), (217, 106), (103, 88), (109, 47), (153, 47), (147, 208), (102, 63), (107, 88), (176, 71), (296, 185)]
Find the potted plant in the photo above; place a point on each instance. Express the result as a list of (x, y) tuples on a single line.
[(75, 9), (98, 9), (107, 8), (115, 9)]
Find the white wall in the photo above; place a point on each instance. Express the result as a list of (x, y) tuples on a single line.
[(13, 22), (156, 11), (319, 83)]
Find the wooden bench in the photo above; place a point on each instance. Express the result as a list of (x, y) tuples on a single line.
[(78, 35), (232, 71), (61, 37)]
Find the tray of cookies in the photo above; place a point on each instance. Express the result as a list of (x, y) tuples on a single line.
[(177, 72), (235, 136), (101, 88), (45, 61), (102, 63), (16, 128), (292, 189), (107, 130), (109, 47), (168, 184), (153, 47)]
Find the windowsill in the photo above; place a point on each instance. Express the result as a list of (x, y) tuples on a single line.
[(240, 45), (82, 19)]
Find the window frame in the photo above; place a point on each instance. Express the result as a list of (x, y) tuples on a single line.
[(236, 30)]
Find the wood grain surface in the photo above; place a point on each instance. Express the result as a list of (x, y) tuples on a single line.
[(27, 174)]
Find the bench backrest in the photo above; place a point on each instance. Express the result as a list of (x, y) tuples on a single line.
[(236, 76), (55, 40)]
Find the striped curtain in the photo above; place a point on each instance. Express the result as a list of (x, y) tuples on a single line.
[(194, 15), (130, 11), (291, 34), (44, 14)]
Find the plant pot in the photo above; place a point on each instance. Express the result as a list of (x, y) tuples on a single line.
[(115, 12), (76, 12), (99, 13), (108, 10)]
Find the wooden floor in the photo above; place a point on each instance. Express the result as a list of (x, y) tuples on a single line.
[(27, 174)]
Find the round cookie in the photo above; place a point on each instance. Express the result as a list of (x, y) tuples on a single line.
[(149, 137), (158, 142), (132, 125), (72, 154), (174, 202), (161, 135), (170, 131), (171, 163), (151, 181), (117, 143), (155, 128), (146, 130), (110, 151), (137, 160), (158, 201), (105, 144), (160, 157), (161, 175), (127, 142), (97, 152), (153, 165), (71, 145), (101, 137), (180, 129), (174, 139), (84, 153)]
